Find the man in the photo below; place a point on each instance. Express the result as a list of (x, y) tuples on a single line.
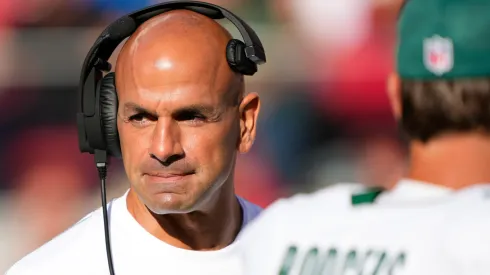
[(435, 221), (182, 118)]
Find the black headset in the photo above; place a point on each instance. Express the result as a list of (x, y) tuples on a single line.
[(96, 119), (97, 114)]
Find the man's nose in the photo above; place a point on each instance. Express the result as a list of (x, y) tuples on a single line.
[(165, 145)]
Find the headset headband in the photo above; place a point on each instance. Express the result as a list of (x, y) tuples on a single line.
[(96, 61), (125, 26)]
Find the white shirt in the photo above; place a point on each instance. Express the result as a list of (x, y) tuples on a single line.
[(415, 229), (81, 249), (13, 236)]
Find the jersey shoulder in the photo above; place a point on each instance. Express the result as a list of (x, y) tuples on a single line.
[(465, 230), (301, 206), (340, 196), (470, 213), (58, 255)]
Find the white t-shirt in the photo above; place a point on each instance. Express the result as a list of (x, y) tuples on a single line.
[(414, 229), (81, 249)]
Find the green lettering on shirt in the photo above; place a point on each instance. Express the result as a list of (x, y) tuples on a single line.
[(332, 262), (288, 261)]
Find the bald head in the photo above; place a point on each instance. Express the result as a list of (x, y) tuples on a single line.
[(179, 46)]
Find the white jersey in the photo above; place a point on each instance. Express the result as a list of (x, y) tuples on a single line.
[(81, 249), (414, 229)]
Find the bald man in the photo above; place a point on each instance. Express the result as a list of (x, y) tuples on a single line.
[(182, 119)]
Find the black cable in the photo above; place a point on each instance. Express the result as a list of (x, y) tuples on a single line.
[(102, 169)]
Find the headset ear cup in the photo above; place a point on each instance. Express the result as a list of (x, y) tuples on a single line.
[(238, 61), (108, 114)]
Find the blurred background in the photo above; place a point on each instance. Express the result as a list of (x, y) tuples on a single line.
[(324, 119)]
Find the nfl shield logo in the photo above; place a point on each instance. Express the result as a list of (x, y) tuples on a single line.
[(438, 54)]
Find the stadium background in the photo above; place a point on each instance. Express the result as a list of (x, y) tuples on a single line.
[(325, 116)]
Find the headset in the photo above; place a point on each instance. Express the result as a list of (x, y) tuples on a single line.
[(98, 102)]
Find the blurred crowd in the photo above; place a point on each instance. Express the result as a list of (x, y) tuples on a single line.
[(325, 117)]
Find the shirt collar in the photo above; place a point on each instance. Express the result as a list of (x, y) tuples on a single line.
[(410, 189), (407, 190)]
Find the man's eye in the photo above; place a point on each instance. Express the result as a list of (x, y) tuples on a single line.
[(141, 119), (138, 117), (186, 116)]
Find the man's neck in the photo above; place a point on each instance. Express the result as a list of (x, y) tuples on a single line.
[(213, 229), (454, 161)]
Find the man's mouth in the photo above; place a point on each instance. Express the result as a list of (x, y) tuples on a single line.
[(166, 176)]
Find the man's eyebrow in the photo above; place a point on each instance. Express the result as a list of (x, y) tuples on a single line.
[(199, 108), (208, 110), (132, 107)]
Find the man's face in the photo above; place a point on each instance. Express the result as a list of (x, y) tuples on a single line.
[(180, 121), (178, 142)]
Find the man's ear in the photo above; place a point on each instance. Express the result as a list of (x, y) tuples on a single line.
[(394, 95), (249, 112)]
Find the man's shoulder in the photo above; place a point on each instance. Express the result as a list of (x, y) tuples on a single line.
[(77, 243), (465, 234), (338, 195), (469, 213)]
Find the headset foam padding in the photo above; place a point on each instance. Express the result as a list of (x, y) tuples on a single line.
[(238, 61), (108, 114)]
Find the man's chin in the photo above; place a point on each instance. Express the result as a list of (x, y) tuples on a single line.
[(167, 203)]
